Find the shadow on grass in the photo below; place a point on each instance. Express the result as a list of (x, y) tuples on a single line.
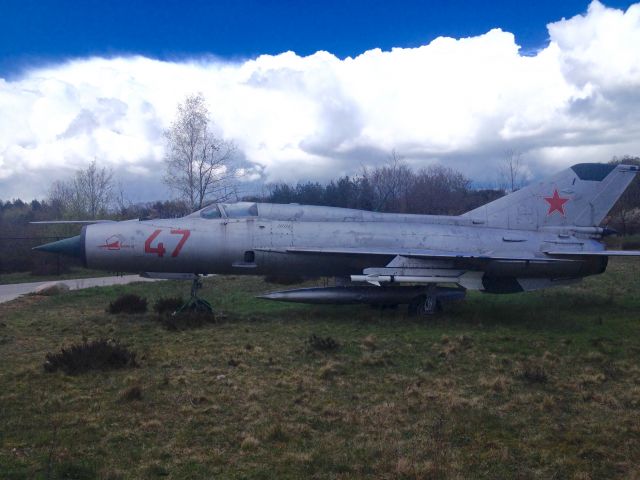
[(558, 310), (563, 310)]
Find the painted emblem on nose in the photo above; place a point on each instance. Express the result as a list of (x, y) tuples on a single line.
[(114, 242)]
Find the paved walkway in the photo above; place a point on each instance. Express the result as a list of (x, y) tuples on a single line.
[(14, 290)]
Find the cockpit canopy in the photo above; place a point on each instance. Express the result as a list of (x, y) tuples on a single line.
[(309, 213), (229, 210)]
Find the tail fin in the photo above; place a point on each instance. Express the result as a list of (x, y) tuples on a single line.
[(579, 196)]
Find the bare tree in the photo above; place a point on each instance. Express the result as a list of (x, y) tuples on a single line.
[(61, 197), (512, 171), (89, 194), (94, 187), (198, 162), (439, 190), (390, 184)]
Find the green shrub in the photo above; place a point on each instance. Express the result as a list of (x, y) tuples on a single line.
[(96, 355), (168, 305), (128, 303)]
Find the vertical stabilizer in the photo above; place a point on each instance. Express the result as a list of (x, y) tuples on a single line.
[(579, 196)]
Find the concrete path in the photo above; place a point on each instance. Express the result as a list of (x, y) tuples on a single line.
[(14, 290)]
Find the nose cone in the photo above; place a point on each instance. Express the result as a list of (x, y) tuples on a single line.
[(71, 246)]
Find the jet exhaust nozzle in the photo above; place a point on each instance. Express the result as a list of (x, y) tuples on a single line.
[(72, 246)]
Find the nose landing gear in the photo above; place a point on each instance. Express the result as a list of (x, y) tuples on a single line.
[(195, 303)]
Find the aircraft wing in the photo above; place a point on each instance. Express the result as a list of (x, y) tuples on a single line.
[(408, 252), (598, 253)]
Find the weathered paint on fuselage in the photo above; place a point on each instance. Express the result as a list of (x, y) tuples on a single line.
[(221, 245)]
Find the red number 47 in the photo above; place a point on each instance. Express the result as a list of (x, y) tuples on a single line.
[(159, 248)]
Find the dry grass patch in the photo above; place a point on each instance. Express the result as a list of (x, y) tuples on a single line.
[(498, 384), (532, 372), (376, 359), (277, 433), (590, 378), (249, 443), (370, 342), (151, 425), (451, 346), (548, 403), (331, 369), (131, 394)]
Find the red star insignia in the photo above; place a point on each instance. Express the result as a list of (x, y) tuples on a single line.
[(556, 203)]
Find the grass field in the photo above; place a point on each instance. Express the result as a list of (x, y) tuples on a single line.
[(538, 385)]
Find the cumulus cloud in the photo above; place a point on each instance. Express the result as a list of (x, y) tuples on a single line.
[(460, 102)]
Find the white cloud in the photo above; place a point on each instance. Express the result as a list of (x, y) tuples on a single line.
[(461, 102)]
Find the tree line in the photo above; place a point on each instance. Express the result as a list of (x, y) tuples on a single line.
[(394, 188)]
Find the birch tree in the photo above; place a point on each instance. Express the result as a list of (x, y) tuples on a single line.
[(198, 162), (513, 174)]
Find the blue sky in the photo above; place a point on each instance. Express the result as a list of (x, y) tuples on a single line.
[(33, 31), (443, 82)]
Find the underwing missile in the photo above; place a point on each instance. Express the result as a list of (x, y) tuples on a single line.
[(360, 294)]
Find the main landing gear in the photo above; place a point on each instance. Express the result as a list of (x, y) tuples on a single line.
[(195, 303), (427, 304)]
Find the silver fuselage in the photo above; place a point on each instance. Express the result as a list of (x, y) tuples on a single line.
[(258, 245)]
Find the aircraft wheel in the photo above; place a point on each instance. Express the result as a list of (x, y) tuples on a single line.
[(424, 305)]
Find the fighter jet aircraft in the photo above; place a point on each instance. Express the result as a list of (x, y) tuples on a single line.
[(544, 235)]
